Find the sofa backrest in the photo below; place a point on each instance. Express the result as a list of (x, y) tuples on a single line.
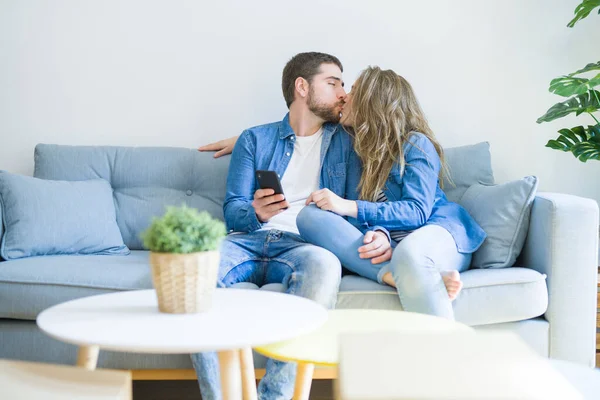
[(144, 179), (147, 179), (468, 165)]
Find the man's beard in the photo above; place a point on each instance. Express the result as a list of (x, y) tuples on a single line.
[(323, 111)]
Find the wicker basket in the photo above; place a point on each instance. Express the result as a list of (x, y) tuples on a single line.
[(184, 283)]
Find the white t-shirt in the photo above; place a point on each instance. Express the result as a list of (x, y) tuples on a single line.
[(300, 179)]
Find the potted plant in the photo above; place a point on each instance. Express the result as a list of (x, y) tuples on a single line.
[(583, 142), (184, 257)]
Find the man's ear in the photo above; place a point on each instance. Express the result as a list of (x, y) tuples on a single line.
[(302, 86)]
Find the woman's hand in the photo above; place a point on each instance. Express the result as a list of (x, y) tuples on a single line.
[(377, 247), (325, 199), (222, 147)]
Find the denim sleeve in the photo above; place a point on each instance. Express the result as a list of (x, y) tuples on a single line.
[(240, 216), (419, 184)]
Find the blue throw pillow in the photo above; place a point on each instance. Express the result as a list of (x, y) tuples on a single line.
[(503, 212), (44, 217)]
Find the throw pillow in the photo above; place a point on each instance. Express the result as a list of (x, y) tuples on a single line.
[(503, 212), (44, 217)]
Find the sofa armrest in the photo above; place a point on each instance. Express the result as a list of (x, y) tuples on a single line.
[(1, 227), (562, 242)]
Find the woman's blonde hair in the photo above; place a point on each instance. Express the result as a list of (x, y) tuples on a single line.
[(385, 111)]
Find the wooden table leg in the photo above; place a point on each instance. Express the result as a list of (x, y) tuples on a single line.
[(231, 377), (248, 376), (303, 381), (87, 357)]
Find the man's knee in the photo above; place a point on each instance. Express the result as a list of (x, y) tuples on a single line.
[(321, 273), (321, 262)]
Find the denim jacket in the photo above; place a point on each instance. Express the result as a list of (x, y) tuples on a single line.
[(415, 198), (270, 147)]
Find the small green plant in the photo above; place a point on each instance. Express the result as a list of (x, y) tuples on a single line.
[(184, 230)]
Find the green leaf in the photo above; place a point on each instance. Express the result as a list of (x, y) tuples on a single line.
[(568, 86), (587, 68), (586, 102), (583, 143), (553, 144), (595, 81), (580, 132), (583, 10), (184, 230)]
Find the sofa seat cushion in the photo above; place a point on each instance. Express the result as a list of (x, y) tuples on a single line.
[(30, 285), (488, 296)]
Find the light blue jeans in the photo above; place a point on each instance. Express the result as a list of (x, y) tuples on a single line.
[(416, 265), (271, 256)]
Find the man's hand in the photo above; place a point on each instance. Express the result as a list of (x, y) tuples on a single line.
[(222, 147), (377, 247), (268, 204), (326, 200)]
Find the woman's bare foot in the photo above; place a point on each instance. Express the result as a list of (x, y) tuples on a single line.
[(388, 280), (453, 284), (451, 280)]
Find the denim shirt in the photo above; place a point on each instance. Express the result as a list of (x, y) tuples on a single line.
[(270, 147), (415, 198)]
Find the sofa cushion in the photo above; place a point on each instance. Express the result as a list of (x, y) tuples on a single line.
[(144, 179), (488, 296), (30, 285), (468, 165), (503, 212), (43, 217)]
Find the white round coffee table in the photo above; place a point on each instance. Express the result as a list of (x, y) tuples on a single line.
[(130, 322)]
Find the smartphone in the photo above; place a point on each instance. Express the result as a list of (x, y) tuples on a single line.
[(269, 180)]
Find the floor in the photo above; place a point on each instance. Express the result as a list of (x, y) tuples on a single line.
[(188, 390)]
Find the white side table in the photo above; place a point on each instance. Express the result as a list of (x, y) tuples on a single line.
[(29, 380), (130, 322), (447, 366)]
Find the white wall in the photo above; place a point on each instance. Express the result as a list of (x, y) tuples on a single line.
[(184, 73)]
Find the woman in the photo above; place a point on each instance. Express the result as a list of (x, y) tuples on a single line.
[(396, 172)]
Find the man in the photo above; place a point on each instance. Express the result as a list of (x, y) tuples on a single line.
[(308, 151)]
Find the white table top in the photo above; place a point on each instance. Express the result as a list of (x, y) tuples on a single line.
[(130, 321)]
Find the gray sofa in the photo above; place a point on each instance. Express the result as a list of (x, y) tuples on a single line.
[(548, 297)]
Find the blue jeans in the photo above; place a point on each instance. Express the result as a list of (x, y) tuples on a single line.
[(416, 264), (271, 256)]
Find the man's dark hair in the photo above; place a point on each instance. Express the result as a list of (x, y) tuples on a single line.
[(304, 65)]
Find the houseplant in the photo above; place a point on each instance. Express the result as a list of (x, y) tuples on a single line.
[(583, 142), (184, 257)]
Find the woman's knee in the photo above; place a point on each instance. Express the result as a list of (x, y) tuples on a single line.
[(307, 218), (406, 263), (312, 221)]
